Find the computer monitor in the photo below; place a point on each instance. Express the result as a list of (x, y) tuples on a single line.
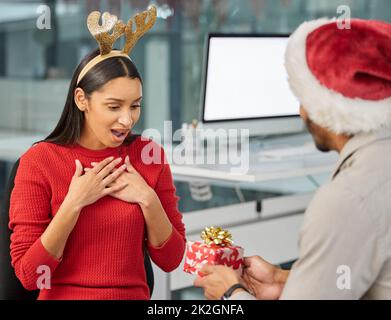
[(246, 87)]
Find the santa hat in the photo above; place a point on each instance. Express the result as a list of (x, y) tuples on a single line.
[(342, 77)]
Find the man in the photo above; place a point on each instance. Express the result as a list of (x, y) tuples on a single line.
[(342, 78)]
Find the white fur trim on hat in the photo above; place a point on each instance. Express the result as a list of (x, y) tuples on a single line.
[(328, 108)]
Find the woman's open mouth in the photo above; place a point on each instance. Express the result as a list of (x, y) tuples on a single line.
[(119, 135)]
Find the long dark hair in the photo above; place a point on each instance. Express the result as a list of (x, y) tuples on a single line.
[(69, 127)]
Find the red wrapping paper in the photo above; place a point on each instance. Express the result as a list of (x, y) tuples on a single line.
[(201, 253)]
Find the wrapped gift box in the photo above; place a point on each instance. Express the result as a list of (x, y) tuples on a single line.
[(201, 253)]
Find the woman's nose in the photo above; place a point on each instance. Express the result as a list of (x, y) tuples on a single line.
[(126, 120)]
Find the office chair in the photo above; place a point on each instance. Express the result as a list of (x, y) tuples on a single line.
[(10, 286)]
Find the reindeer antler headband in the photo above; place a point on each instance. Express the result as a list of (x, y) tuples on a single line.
[(106, 40)]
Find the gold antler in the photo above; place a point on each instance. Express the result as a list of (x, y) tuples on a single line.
[(102, 32), (141, 28)]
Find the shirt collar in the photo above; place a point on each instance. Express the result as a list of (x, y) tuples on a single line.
[(359, 141)]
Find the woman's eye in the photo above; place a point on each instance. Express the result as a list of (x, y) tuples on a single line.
[(135, 107), (114, 107)]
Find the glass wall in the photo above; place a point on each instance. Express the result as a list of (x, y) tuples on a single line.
[(36, 63)]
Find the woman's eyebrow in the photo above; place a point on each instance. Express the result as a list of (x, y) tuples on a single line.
[(122, 101), (115, 99), (137, 100)]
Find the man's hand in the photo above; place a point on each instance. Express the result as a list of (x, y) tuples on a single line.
[(264, 279), (216, 280)]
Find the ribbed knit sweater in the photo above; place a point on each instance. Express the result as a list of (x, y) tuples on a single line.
[(103, 257)]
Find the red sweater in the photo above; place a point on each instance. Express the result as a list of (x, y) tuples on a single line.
[(103, 257)]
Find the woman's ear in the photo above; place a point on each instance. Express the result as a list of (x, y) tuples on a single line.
[(81, 100)]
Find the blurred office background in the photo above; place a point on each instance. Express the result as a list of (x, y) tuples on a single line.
[(36, 65)]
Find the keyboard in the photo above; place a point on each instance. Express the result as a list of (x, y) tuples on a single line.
[(285, 153)]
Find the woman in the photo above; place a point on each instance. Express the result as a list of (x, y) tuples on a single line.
[(85, 204)]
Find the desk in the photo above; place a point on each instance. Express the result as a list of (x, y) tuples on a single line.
[(13, 145), (294, 169), (262, 171)]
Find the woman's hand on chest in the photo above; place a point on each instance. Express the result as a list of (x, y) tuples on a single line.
[(137, 189)]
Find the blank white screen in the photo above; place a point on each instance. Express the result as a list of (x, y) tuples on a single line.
[(246, 78)]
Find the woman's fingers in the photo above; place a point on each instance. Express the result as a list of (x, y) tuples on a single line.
[(127, 162), (79, 169), (102, 165), (108, 168), (129, 166), (114, 188), (111, 177), (93, 164)]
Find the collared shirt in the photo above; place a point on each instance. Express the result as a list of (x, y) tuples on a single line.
[(345, 240)]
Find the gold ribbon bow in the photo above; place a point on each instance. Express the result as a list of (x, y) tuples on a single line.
[(217, 236)]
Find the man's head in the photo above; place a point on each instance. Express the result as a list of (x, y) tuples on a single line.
[(342, 78), (324, 139)]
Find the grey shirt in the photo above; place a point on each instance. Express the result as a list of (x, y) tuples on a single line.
[(345, 240)]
